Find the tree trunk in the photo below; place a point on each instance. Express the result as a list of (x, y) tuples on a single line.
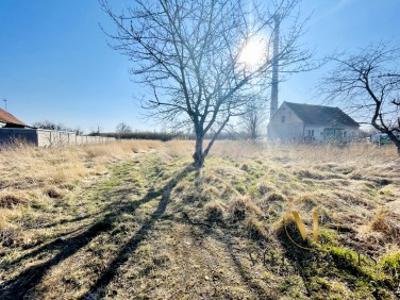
[(198, 153), (253, 134), (395, 141), (390, 134)]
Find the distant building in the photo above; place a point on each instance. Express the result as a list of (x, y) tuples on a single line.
[(7, 120), (295, 122)]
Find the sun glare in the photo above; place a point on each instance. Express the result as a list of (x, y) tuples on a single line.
[(253, 52)]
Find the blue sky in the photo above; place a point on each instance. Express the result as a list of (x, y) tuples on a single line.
[(55, 63)]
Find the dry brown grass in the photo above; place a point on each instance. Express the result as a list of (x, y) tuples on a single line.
[(387, 224), (242, 208), (131, 225), (42, 176)]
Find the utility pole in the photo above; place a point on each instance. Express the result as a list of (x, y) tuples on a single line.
[(275, 67), (5, 103)]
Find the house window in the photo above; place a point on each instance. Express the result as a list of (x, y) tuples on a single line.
[(329, 132), (283, 119), (310, 132)]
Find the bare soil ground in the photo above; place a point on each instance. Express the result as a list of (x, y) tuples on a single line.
[(136, 221)]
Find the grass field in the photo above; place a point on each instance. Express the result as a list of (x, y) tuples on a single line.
[(134, 220)]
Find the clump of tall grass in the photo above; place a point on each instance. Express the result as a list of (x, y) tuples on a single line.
[(387, 224)]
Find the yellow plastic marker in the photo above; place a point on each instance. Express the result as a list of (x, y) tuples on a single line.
[(300, 224), (315, 224)]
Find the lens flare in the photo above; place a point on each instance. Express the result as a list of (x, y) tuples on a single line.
[(253, 52)]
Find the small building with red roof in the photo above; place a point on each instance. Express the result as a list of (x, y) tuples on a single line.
[(8, 120)]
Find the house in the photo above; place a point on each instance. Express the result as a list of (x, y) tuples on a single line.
[(7, 120), (295, 122)]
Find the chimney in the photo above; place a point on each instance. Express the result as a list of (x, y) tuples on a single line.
[(275, 68)]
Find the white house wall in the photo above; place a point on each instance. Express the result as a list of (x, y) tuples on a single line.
[(290, 130)]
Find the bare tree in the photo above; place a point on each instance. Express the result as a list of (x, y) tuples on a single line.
[(252, 118), (190, 54), (369, 82), (123, 128), (48, 125)]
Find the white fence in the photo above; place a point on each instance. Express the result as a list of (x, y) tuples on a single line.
[(48, 138)]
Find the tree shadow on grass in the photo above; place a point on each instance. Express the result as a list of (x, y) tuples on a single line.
[(97, 291), (226, 238), (245, 275), (58, 243), (19, 286), (73, 220), (302, 255), (312, 263), (57, 238)]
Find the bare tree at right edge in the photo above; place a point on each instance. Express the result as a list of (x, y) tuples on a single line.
[(370, 83)]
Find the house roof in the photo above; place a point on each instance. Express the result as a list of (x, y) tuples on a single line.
[(6, 117), (321, 115)]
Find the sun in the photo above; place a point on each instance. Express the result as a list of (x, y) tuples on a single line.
[(253, 52)]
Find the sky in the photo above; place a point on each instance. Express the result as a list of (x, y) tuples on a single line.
[(55, 63)]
